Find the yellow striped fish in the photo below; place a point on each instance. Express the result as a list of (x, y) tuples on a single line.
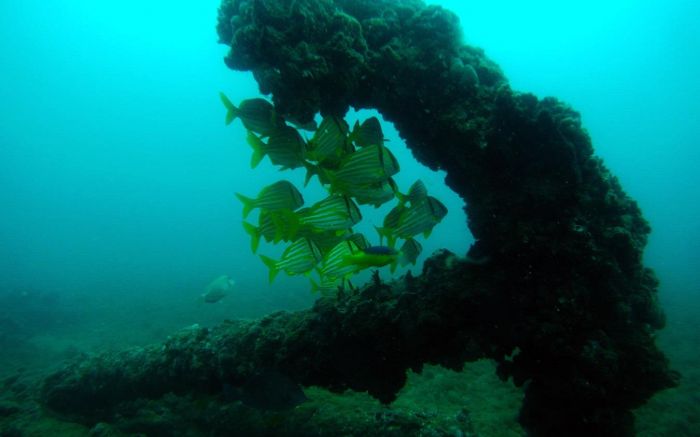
[(370, 165), (327, 286), (277, 196), (272, 226), (416, 193), (347, 258), (334, 265), (410, 250), (257, 115), (368, 133), (408, 221), (329, 239), (372, 256), (299, 258), (329, 142), (373, 194), (359, 240), (285, 147), (391, 222), (255, 234), (380, 256), (332, 213), (325, 240), (420, 218)]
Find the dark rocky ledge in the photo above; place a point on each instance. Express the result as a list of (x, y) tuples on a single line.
[(364, 340), (563, 302)]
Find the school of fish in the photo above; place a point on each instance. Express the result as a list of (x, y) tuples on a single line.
[(356, 168)]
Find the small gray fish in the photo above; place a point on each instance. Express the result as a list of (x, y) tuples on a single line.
[(218, 289)]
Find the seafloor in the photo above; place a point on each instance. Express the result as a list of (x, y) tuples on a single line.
[(473, 402)]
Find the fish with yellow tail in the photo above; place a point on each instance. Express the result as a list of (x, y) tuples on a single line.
[(330, 141), (416, 193), (408, 221), (332, 213), (375, 194), (367, 133), (298, 259), (285, 148), (367, 166), (372, 256), (273, 226), (277, 196), (258, 115), (380, 256)]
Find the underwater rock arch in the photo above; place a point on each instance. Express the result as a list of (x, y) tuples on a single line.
[(563, 302), (563, 240)]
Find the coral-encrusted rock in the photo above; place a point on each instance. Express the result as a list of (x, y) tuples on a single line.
[(365, 341), (563, 239)]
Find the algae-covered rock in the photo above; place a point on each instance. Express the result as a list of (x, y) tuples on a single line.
[(565, 276)]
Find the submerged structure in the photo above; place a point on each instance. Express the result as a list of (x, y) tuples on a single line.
[(561, 300)]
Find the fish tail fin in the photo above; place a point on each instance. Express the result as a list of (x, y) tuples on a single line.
[(248, 204), (311, 171), (257, 144), (231, 110), (254, 236), (272, 265), (403, 198)]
